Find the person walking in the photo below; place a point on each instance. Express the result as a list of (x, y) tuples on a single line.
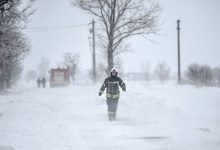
[(38, 82), (44, 82), (111, 84)]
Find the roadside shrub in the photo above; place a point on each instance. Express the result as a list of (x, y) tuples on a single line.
[(216, 72), (200, 74), (162, 71)]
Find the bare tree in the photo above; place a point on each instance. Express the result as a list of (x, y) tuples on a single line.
[(217, 74), (206, 75), (71, 61), (13, 44), (121, 19), (192, 73), (200, 74), (43, 67), (162, 71)]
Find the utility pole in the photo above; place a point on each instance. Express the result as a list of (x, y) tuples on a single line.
[(178, 49), (93, 52)]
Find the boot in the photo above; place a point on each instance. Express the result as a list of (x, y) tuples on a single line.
[(110, 116), (114, 116)]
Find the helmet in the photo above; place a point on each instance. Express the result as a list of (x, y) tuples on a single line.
[(114, 74), (114, 69)]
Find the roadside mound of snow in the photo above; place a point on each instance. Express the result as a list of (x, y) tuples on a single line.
[(150, 116)]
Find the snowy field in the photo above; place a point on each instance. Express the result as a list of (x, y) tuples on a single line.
[(150, 117)]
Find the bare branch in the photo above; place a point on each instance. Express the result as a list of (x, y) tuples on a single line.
[(121, 19)]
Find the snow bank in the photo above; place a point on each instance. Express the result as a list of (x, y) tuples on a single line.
[(150, 116)]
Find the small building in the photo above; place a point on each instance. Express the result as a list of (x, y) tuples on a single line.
[(59, 77)]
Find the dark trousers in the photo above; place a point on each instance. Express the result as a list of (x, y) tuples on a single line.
[(112, 108)]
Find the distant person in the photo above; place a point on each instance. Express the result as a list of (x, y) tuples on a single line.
[(112, 84), (38, 82), (44, 82)]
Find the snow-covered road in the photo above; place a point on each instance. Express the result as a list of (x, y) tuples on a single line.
[(153, 117)]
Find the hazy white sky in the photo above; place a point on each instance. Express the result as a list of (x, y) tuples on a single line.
[(200, 35)]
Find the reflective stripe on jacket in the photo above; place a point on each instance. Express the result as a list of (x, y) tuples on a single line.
[(111, 84)]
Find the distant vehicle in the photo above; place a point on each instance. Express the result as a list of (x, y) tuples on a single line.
[(59, 77)]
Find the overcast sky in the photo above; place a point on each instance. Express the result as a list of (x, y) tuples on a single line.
[(200, 35)]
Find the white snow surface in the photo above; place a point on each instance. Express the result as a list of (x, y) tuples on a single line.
[(150, 117)]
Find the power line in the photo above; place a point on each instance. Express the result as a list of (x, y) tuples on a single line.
[(53, 27)]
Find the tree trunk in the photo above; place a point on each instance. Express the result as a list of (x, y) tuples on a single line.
[(110, 56), (1, 77), (1, 83)]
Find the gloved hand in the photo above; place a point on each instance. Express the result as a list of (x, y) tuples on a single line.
[(100, 93)]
